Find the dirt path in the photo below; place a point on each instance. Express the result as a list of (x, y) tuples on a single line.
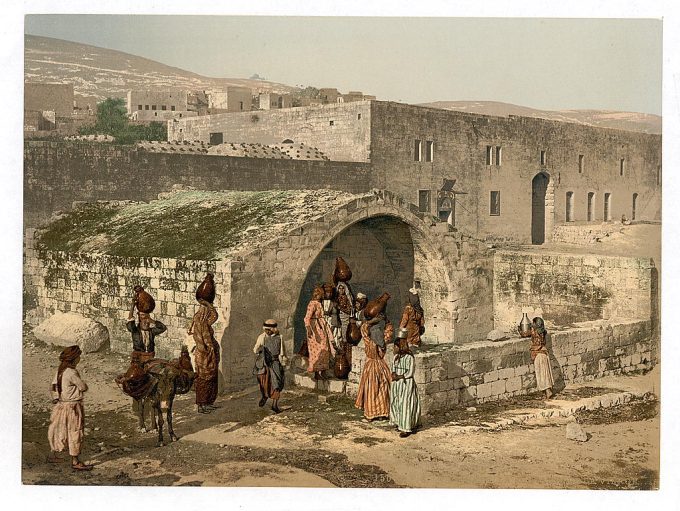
[(322, 441)]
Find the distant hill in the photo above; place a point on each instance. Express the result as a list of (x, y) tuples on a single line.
[(103, 73), (106, 73), (631, 121)]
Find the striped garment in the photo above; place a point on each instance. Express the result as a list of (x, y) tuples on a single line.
[(374, 386), (404, 402)]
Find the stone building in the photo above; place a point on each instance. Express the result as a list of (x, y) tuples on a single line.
[(270, 100), (516, 178), (149, 101)]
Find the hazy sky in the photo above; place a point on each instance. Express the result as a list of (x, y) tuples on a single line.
[(542, 63)]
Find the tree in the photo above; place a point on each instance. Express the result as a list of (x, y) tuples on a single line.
[(112, 120)]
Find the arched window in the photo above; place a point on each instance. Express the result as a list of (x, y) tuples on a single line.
[(570, 207)]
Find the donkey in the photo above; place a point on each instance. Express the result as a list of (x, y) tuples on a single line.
[(155, 384)]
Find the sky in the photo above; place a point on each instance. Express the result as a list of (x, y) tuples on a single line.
[(545, 63)]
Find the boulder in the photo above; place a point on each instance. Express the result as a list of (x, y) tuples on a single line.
[(66, 329), (576, 432), (497, 335)]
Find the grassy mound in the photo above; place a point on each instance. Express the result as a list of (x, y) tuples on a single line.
[(188, 224)]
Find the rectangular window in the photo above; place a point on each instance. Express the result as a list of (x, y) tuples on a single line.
[(146, 107), (240, 105), (498, 156), (358, 117), (543, 158), (580, 163), (331, 123), (139, 107), (172, 108), (489, 155), (163, 107), (418, 151), (495, 203), (424, 201), (622, 166), (216, 138), (570, 207), (607, 207), (429, 150), (153, 107), (591, 206)]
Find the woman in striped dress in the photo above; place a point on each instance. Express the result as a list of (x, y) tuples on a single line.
[(374, 386), (319, 336), (404, 402), (539, 355)]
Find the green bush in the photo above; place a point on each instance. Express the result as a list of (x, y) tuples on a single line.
[(112, 120)]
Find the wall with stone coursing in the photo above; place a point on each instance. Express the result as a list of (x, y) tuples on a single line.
[(341, 131), (58, 173), (572, 288), (100, 287), (584, 233), (491, 371), (460, 147)]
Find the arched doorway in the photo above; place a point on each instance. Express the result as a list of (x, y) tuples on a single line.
[(539, 210), (385, 255)]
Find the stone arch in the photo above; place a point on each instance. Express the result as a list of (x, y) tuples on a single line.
[(391, 250), (542, 207)]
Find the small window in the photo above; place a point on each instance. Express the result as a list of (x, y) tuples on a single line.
[(591, 206), (581, 162), (498, 156), (331, 123), (622, 166), (153, 107), (429, 150), (180, 115), (495, 203), (172, 108), (240, 105), (543, 158), (139, 107), (489, 155), (163, 107), (424, 201), (180, 130), (216, 138), (607, 216), (358, 117), (146, 107), (418, 151), (155, 114), (570, 207)]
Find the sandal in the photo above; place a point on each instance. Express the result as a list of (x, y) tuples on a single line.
[(80, 466)]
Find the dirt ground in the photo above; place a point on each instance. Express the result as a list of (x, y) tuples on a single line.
[(322, 441)]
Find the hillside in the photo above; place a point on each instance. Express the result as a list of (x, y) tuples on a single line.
[(103, 73), (631, 121)]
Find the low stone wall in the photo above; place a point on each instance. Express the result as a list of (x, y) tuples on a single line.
[(462, 375), (583, 233), (100, 287), (571, 288)]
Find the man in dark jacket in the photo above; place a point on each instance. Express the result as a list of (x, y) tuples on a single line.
[(144, 334)]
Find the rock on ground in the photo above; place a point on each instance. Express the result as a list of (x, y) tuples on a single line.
[(67, 329), (576, 432)]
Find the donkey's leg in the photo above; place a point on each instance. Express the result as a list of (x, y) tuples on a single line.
[(157, 410), (167, 406), (138, 405)]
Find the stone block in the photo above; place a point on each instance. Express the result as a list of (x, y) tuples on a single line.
[(498, 388), (513, 384), (504, 374), (483, 390)]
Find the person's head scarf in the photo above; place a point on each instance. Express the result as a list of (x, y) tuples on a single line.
[(67, 359), (414, 300), (539, 325)]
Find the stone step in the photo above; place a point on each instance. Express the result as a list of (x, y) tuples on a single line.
[(331, 385)]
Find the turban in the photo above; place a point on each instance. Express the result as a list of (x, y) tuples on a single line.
[(70, 354), (270, 323)]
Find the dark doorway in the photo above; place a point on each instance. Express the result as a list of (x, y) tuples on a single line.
[(539, 187), (635, 196)]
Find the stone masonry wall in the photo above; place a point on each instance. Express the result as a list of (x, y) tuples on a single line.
[(341, 131), (460, 144), (100, 287), (572, 288), (58, 173), (486, 371), (583, 234)]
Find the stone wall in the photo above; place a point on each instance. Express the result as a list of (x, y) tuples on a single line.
[(342, 132), (485, 371), (100, 287), (583, 233), (572, 288), (58, 173), (460, 144)]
